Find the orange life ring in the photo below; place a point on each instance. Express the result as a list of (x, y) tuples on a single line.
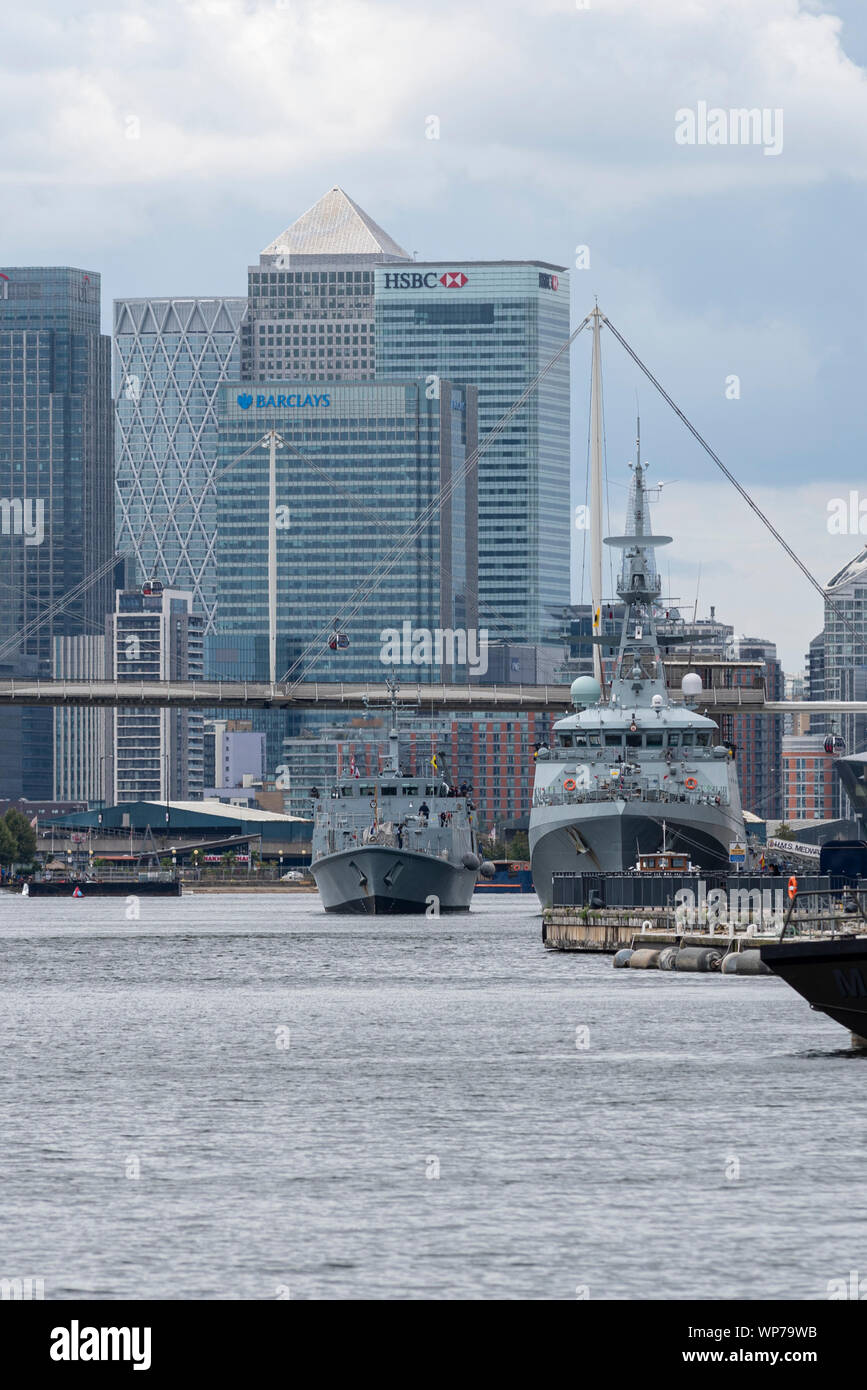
[(569, 784), (690, 783), (793, 886)]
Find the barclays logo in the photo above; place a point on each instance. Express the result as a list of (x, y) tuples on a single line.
[(245, 400)]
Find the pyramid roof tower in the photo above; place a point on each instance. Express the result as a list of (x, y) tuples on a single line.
[(336, 226)]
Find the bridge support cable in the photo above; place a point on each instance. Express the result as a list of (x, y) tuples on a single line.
[(59, 605), (754, 507)]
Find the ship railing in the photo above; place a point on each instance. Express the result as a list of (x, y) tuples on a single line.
[(630, 791), (422, 841)]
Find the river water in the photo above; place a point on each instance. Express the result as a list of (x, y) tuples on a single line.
[(241, 1097)]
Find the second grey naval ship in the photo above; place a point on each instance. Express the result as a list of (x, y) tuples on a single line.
[(632, 773), (395, 843)]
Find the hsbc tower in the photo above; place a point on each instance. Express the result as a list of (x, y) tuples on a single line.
[(494, 325)]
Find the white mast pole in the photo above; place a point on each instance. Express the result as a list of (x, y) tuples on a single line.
[(272, 557), (596, 493)]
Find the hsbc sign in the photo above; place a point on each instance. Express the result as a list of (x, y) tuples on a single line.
[(416, 280)]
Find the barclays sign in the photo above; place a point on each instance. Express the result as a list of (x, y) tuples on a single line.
[(262, 402)]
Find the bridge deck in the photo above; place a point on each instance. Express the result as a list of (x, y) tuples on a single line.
[(332, 695)]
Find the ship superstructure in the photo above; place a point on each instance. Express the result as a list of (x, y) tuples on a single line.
[(631, 773)]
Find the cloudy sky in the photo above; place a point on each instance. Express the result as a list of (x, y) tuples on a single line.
[(164, 143)]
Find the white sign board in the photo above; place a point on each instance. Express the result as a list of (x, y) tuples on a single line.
[(793, 847)]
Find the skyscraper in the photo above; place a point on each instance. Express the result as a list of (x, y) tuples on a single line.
[(495, 325), (311, 296), (362, 461), (155, 754), (843, 661), (170, 357), (56, 481)]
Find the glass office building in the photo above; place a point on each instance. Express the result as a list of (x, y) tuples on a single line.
[(495, 325), (56, 489), (361, 463), (170, 357)]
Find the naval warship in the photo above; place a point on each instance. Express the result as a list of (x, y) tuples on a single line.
[(631, 773), (395, 843)]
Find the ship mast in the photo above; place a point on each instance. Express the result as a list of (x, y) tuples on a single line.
[(639, 673), (596, 494)]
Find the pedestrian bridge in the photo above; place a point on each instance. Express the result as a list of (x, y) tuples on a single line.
[(304, 695)]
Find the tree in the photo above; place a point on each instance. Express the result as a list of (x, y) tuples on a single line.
[(785, 832), (8, 844), (23, 835), (519, 846)]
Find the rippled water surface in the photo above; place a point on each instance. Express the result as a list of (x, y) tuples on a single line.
[(427, 1127)]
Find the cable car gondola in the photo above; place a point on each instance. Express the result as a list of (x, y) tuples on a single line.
[(338, 641), (835, 744)]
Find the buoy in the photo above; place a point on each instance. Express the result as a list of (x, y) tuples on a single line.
[(745, 963), (698, 958), (793, 886), (569, 784), (667, 958), (690, 783), (622, 958), (78, 893), (644, 959)]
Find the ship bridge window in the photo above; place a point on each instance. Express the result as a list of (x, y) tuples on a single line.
[(674, 738), (654, 740), (347, 791), (367, 791), (688, 739), (565, 740), (703, 738), (613, 740), (388, 791), (432, 791), (594, 740), (580, 740), (633, 740), (410, 791)]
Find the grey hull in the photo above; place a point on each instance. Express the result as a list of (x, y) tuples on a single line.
[(607, 838), (376, 879)]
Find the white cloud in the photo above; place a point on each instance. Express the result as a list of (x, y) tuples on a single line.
[(576, 104)]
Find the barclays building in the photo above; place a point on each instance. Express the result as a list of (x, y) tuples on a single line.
[(359, 464)]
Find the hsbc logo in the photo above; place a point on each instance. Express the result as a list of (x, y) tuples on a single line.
[(416, 280)]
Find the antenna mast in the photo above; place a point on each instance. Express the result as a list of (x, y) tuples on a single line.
[(596, 493)]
